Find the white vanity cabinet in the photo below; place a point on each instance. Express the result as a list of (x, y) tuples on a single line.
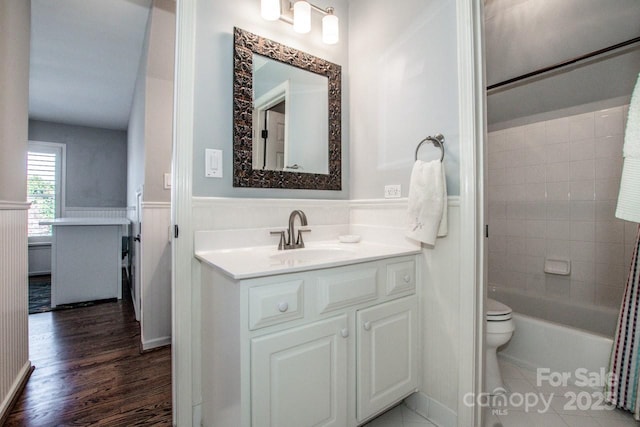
[(299, 376), (326, 347)]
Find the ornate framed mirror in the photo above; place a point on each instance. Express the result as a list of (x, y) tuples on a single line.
[(286, 117)]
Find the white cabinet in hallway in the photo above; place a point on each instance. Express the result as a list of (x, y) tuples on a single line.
[(86, 260), (328, 347)]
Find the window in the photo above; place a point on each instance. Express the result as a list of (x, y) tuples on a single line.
[(45, 186)]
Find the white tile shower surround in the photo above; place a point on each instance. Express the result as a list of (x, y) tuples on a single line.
[(560, 412), (552, 190), (400, 416)]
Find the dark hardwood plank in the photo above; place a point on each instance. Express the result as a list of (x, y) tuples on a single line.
[(90, 372)]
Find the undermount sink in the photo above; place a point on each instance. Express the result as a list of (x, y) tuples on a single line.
[(312, 254)]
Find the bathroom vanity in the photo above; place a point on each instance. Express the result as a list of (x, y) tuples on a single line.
[(307, 337)]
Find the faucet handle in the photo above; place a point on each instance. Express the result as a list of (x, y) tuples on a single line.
[(299, 241), (281, 243)]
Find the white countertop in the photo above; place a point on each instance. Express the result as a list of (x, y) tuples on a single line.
[(251, 262), (85, 221)]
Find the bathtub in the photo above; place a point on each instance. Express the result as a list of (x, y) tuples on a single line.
[(542, 343)]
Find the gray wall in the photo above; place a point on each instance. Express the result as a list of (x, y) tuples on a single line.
[(213, 122), (14, 96), (96, 162), (525, 35)]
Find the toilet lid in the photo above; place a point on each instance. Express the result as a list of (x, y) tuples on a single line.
[(497, 310)]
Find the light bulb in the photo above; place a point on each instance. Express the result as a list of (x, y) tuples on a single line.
[(330, 28), (301, 17), (270, 9)]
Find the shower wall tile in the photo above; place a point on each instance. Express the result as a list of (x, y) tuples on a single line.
[(582, 190), (582, 170), (607, 189), (558, 153), (582, 150), (557, 209), (581, 126), (582, 210), (557, 130), (552, 191), (609, 122), (608, 146), (582, 291), (608, 296)]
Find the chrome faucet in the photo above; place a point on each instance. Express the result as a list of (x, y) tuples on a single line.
[(290, 243)]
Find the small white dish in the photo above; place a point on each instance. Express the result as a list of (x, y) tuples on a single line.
[(349, 238)]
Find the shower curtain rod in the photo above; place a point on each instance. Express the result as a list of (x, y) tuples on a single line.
[(564, 64)]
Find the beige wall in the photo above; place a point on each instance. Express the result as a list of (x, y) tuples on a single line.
[(159, 100), (14, 98)]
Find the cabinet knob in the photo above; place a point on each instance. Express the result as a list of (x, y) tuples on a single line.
[(366, 325), (406, 278), (344, 333), (283, 306)]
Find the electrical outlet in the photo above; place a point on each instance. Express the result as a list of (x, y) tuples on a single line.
[(392, 191)]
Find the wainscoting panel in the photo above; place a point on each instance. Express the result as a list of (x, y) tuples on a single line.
[(14, 333), (96, 212), (155, 275)]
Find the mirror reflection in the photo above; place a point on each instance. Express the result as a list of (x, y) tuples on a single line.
[(290, 118)]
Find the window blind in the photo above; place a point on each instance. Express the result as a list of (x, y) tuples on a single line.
[(41, 191)]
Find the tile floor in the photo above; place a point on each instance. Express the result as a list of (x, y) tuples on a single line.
[(400, 416), (557, 410), (563, 407)]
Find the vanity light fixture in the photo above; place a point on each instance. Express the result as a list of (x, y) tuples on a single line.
[(270, 9), (298, 13), (301, 17)]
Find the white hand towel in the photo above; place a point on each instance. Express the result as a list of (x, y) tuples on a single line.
[(632, 133), (427, 212), (628, 207)]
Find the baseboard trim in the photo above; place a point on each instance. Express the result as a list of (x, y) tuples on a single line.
[(155, 343), (432, 410), (15, 391)]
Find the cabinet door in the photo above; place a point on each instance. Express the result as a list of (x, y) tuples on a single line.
[(299, 376), (387, 355)]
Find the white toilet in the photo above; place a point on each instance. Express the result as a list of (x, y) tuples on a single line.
[(500, 328)]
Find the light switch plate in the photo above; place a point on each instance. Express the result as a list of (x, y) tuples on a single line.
[(167, 181), (212, 163), (392, 191)]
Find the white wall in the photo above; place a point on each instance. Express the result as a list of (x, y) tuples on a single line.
[(14, 81), (403, 88), (213, 123)]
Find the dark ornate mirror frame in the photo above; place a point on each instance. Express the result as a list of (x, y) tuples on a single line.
[(245, 45)]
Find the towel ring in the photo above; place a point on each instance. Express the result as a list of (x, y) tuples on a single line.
[(437, 140)]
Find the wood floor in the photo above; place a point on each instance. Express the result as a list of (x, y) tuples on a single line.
[(89, 371)]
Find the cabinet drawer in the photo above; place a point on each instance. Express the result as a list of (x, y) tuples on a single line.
[(401, 277), (346, 288), (277, 303)]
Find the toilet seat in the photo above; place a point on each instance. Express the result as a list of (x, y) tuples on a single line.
[(497, 311)]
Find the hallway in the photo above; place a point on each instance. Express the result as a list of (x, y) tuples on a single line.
[(89, 371)]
